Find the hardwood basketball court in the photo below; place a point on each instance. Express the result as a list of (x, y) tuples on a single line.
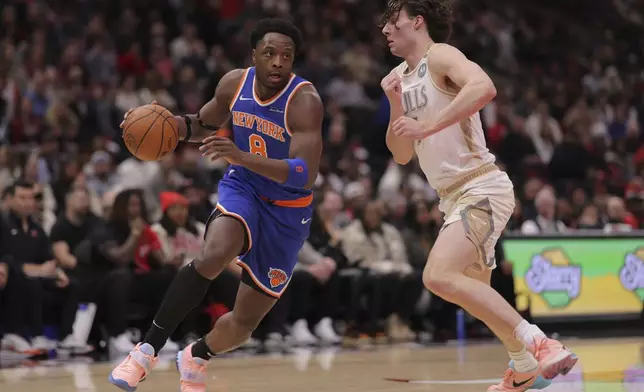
[(605, 366)]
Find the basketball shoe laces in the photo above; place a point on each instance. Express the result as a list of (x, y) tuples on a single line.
[(543, 348), (508, 377), (135, 369)]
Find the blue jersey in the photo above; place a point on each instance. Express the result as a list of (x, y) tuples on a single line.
[(260, 127)]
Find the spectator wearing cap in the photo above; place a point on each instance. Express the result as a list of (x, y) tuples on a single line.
[(100, 175), (181, 237), (355, 197)]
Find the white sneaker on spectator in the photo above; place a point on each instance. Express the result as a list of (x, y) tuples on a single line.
[(301, 334), (121, 344), (43, 343), (274, 341), (15, 343), (170, 347), (324, 330), (70, 343)]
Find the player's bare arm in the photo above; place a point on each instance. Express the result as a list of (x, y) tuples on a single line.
[(473, 87), (401, 148), (304, 118), (216, 112), (213, 115)]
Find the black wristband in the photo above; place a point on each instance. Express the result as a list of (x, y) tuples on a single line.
[(204, 125), (188, 127)]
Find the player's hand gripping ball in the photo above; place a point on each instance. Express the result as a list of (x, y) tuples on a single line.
[(150, 132)]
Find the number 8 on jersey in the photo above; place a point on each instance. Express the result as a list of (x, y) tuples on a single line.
[(257, 145)]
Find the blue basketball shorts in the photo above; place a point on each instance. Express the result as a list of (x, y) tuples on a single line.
[(274, 235)]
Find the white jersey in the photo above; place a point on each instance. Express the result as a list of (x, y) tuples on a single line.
[(450, 155)]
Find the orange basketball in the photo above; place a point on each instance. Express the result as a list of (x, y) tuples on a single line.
[(150, 133)]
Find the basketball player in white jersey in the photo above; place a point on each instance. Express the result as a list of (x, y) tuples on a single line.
[(435, 96)]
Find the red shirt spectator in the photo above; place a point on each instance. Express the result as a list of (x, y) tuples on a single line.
[(148, 243), (131, 62)]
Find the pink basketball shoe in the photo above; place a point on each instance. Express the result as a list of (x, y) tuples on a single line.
[(129, 373), (192, 370), (554, 358)]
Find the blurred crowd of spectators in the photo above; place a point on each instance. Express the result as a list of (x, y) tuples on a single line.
[(83, 221)]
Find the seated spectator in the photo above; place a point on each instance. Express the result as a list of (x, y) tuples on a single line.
[(516, 219), (72, 227), (200, 207), (378, 249), (315, 298), (153, 272), (544, 131), (100, 177), (180, 236), (589, 218), (324, 236), (34, 170), (619, 219), (545, 222), (123, 263), (39, 293), (424, 221)]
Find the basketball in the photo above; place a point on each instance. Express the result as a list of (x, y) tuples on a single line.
[(150, 133)]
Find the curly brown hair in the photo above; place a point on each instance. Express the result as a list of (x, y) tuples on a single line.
[(438, 15)]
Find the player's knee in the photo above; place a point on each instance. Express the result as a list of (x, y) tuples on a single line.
[(439, 282), (214, 258)]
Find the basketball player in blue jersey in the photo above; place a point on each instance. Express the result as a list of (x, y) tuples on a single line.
[(264, 210)]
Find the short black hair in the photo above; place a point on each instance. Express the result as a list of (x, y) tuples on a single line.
[(276, 25), (438, 15), (75, 189), (21, 184)]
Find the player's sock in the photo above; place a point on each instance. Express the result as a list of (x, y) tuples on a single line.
[(526, 332), (186, 291), (524, 361), (201, 350)]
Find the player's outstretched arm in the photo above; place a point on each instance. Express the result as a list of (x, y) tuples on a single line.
[(215, 113), (476, 87), (304, 118)]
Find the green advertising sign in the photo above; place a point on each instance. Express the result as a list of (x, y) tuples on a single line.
[(572, 276)]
